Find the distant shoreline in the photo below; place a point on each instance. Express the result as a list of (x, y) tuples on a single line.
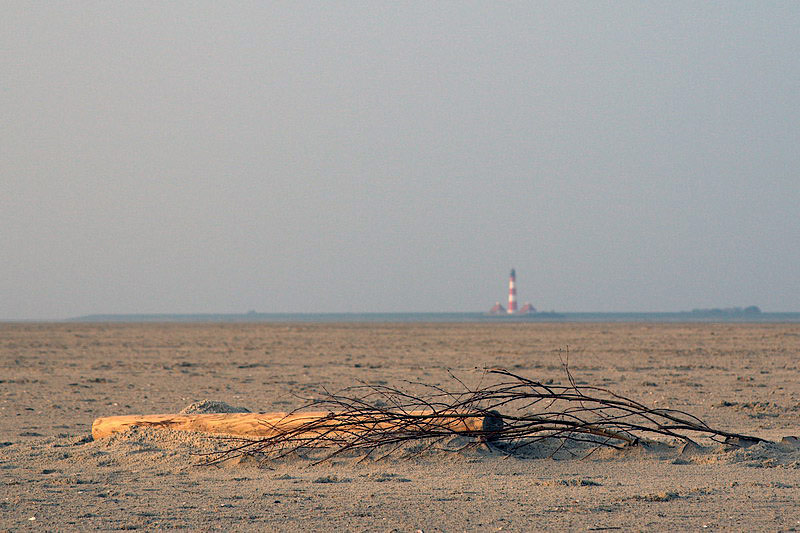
[(681, 316)]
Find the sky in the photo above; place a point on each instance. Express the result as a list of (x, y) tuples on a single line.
[(221, 157)]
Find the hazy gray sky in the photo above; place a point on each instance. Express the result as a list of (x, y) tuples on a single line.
[(375, 156)]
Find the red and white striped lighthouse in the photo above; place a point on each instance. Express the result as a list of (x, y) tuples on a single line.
[(512, 292)]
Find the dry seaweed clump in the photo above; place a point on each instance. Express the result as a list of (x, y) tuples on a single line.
[(506, 411), (211, 406)]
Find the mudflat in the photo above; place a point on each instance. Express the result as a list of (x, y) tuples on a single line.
[(56, 378)]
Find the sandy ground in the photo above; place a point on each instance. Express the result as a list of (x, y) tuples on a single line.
[(55, 379)]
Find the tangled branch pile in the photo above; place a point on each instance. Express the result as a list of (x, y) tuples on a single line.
[(379, 420)]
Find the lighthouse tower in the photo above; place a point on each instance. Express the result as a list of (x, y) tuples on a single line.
[(512, 292)]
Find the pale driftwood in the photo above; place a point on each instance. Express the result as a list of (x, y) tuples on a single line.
[(306, 424)]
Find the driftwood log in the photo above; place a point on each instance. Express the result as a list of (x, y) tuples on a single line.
[(311, 425), (366, 419)]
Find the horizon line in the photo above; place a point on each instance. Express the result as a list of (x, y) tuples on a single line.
[(751, 312)]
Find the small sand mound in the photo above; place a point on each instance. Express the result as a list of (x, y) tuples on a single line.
[(211, 406)]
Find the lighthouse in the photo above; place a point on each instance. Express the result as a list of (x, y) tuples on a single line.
[(499, 310), (512, 292)]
